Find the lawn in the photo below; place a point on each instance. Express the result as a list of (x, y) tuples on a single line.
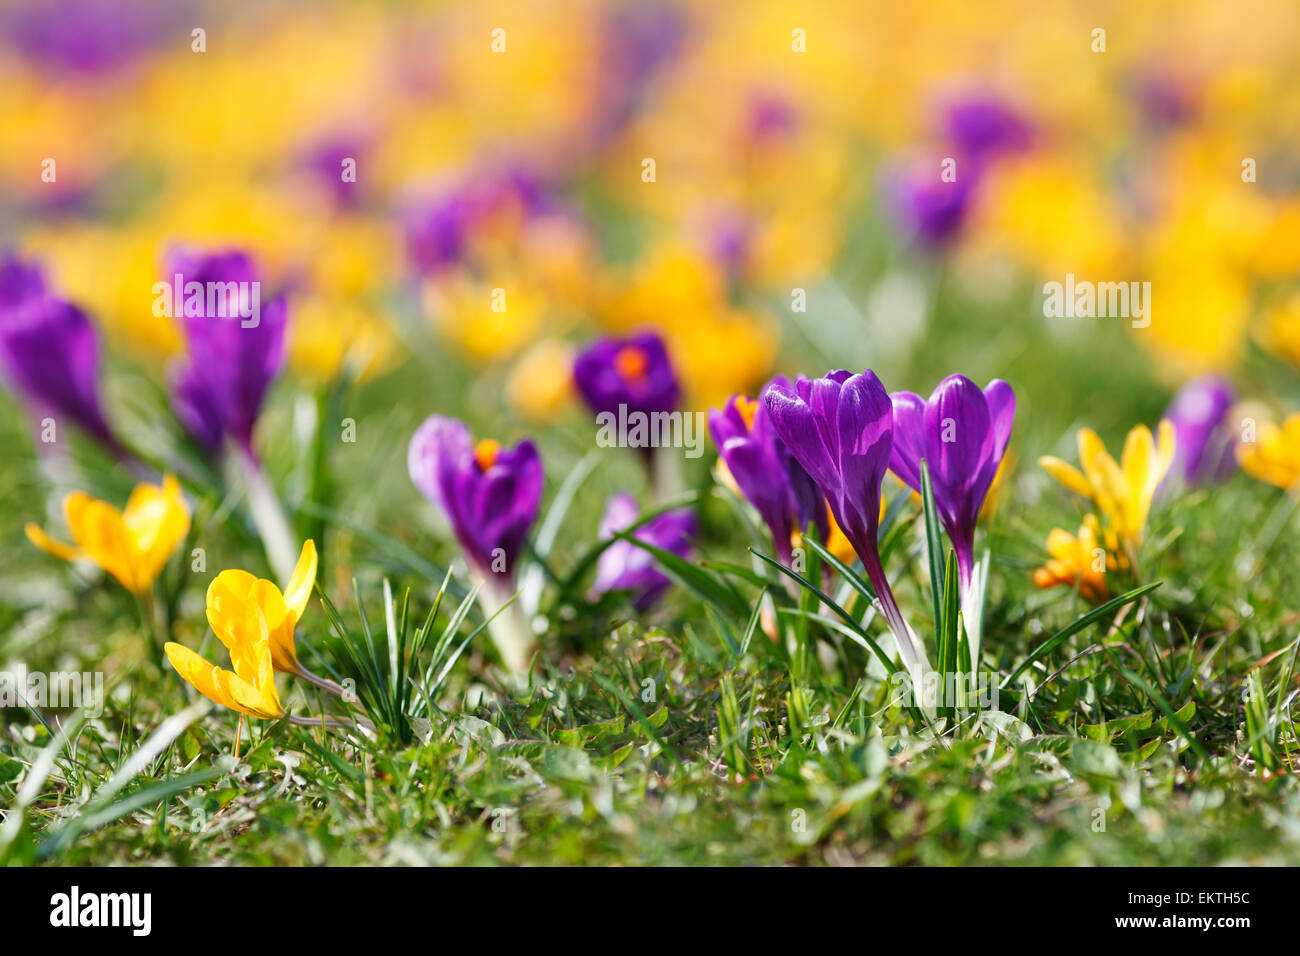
[(480, 665)]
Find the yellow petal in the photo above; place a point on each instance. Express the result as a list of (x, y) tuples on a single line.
[(158, 520), (1060, 543), (1139, 466), (229, 598), (64, 552), (1067, 475), (99, 531), (1090, 450), (221, 686), (279, 624), (298, 591)]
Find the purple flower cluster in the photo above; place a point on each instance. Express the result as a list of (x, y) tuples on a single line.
[(839, 434)]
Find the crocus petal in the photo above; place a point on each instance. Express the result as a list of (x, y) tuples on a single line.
[(957, 426), (794, 421), (222, 686), (1066, 474), (625, 567), (1001, 400), (909, 442), (1138, 463), (864, 422), (158, 520), (298, 591), (38, 537), (229, 596), (100, 533)]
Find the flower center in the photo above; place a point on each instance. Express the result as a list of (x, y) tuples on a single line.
[(485, 453), (632, 363), (748, 408)]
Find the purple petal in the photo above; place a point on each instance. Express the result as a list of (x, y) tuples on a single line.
[(909, 438)]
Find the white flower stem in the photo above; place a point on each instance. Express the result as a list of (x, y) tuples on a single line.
[(508, 625), (268, 516)]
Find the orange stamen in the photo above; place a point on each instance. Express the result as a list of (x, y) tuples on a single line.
[(485, 453), (631, 363), (748, 408)]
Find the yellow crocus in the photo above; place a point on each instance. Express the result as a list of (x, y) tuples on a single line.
[(1078, 560), (241, 607), (132, 545), (250, 687), (1274, 455), (1122, 491), (540, 386)]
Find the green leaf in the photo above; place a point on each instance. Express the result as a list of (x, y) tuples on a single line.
[(933, 543), (1096, 614), (693, 578), (848, 619)]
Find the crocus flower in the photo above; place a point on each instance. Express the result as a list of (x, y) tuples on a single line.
[(490, 496), (1274, 455), (840, 429), (250, 687), (756, 461), (86, 36), (1203, 438), (238, 601), (625, 567), (49, 352), (132, 545), (232, 360), (634, 372), (981, 126), (1078, 561), (962, 434), (929, 210), (1123, 491)]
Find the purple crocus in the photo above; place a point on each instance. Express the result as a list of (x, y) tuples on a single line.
[(86, 36), (236, 346), (962, 434), (928, 209), (49, 351), (440, 229), (625, 567), (632, 372), (1204, 441), (490, 494), (840, 429), (765, 472), (981, 126)]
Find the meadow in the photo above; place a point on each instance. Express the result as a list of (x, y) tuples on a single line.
[(397, 584)]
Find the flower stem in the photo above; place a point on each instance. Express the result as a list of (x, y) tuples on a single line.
[(268, 515), (509, 628)]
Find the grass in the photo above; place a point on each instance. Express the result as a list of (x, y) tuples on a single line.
[(1161, 734)]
